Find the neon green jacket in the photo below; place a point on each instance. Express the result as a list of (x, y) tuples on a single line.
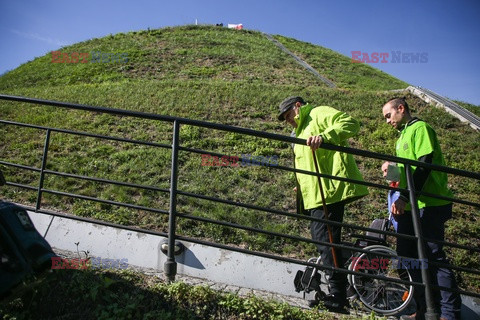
[(417, 139), (335, 127)]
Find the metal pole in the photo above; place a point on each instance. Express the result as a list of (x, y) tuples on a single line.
[(42, 174), (430, 313), (170, 265)]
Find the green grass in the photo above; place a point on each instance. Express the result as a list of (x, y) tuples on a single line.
[(219, 75), (470, 107), (126, 294), (340, 69)]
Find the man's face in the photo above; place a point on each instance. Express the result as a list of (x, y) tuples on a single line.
[(394, 116), (289, 117)]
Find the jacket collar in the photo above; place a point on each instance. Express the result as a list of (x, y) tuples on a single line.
[(409, 123), (303, 116)]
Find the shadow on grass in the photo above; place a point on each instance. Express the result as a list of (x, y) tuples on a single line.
[(88, 294)]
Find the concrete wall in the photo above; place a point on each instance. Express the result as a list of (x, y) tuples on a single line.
[(143, 250), (211, 264)]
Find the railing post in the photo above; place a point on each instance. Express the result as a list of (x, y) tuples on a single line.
[(42, 169), (430, 313), (170, 265)]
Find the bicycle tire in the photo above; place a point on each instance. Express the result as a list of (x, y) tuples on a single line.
[(383, 297)]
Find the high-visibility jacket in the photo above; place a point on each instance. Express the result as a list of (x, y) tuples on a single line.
[(418, 139), (335, 127)]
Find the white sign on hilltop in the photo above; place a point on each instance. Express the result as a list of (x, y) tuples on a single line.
[(238, 26)]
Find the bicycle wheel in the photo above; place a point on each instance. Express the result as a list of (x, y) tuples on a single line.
[(381, 296)]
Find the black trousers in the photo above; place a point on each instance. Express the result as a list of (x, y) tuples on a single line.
[(432, 220), (337, 281)]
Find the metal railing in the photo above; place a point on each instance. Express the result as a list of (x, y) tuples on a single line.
[(173, 192), (458, 111)]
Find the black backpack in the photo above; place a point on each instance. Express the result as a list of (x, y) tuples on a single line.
[(23, 251)]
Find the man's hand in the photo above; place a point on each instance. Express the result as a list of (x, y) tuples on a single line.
[(314, 142), (398, 208)]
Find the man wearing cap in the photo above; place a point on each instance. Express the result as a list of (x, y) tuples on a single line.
[(318, 125), (418, 141)]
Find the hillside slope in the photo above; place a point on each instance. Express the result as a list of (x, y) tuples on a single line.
[(220, 75)]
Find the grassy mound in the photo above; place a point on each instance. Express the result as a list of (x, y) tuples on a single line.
[(224, 76)]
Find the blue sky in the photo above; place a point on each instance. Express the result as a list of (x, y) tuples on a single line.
[(447, 31)]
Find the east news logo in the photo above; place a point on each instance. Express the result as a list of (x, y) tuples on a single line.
[(396, 57), (96, 56)]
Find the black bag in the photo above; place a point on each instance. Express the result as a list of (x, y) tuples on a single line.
[(308, 280), (2, 179), (379, 224), (23, 251)]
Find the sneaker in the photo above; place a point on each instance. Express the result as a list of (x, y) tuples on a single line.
[(331, 303), (313, 303), (351, 293), (415, 316)]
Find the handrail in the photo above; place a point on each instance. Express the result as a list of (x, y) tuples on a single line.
[(170, 266), (261, 134)]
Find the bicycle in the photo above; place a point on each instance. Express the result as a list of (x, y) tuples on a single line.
[(381, 296)]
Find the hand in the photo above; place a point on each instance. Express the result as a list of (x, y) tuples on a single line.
[(295, 189), (398, 208), (314, 142)]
